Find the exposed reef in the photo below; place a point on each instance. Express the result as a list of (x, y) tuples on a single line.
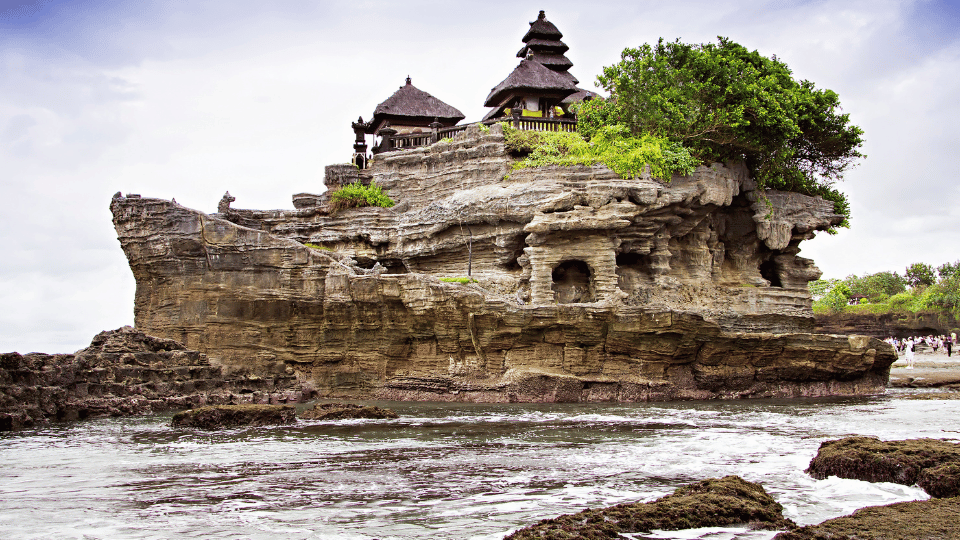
[(589, 287), (708, 503), (347, 411), (228, 416), (932, 464), (935, 519), (125, 372)]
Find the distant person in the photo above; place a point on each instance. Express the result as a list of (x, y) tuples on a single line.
[(909, 353), (948, 343)]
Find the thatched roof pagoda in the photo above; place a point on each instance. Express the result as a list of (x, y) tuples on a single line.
[(530, 78), (542, 43), (542, 82), (410, 108)]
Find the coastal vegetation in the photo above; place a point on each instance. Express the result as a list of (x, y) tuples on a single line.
[(723, 102), (921, 288), (359, 195), (674, 106)]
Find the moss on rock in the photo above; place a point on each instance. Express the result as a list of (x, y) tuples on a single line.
[(708, 503), (932, 464), (934, 519)]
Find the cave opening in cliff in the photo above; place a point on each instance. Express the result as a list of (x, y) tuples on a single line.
[(573, 283), (770, 271), (633, 270)]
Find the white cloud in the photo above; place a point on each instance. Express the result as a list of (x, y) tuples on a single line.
[(190, 99)]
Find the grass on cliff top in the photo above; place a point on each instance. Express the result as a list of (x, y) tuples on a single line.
[(359, 195), (613, 146)]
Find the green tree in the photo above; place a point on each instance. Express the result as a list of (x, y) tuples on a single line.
[(727, 103), (919, 275), (876, 287), (838, 298), (819, 288), (947, 270)]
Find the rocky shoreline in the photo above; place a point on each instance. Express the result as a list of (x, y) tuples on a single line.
[(126, 372)]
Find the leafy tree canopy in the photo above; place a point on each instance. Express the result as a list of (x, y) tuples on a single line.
[(724, 102), (920, 275)]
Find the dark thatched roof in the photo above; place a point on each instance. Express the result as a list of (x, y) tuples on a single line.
[(556, 62), (543, 29), (578, 97), (410, 101), (531, 75), (543, 45)]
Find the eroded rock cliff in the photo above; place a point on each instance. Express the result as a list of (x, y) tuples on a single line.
[(589, 286)]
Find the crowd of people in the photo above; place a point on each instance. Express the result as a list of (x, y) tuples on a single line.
[(907, 347)]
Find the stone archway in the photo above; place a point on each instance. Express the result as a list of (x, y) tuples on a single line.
[(573, 283)]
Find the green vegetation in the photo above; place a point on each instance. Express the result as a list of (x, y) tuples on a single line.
[(461, 280), (358, 195), (723, 102), (611, 145), (919, 290), (317, 246)]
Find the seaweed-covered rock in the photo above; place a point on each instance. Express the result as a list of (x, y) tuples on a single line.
[(343, 411), (932, 464), (934, 519), (708, 503), (225, 416)]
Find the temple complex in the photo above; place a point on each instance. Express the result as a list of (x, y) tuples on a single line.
[(536, 95)]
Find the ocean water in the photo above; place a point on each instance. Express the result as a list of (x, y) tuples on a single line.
[(442, 470)]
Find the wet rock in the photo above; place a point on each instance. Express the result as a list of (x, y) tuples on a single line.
[(932, 464), (708, 503), (343, 411), (126, 372), (935, 519), (227, 416)]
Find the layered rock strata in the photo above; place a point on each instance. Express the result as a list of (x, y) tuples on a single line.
[(589, 286), (125, 372)]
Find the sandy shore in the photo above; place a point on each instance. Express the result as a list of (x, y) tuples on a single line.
[(930, 370)]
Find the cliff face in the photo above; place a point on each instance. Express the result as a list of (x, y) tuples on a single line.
[(590, 287)]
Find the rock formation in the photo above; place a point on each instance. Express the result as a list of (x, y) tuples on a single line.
[(589, 286), (346, 411), (883, 325), (708, 503), (932, 464), (228, 416), (934, 519), (124, 372)]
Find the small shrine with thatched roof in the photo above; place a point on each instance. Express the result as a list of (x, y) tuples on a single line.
[(408, 111)]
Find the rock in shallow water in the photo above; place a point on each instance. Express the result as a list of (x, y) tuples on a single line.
[(343, 411), (932, 464), (226, 416), (708, 503), (936, 519)]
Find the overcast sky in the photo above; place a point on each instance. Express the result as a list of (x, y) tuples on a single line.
[(189, 99)]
